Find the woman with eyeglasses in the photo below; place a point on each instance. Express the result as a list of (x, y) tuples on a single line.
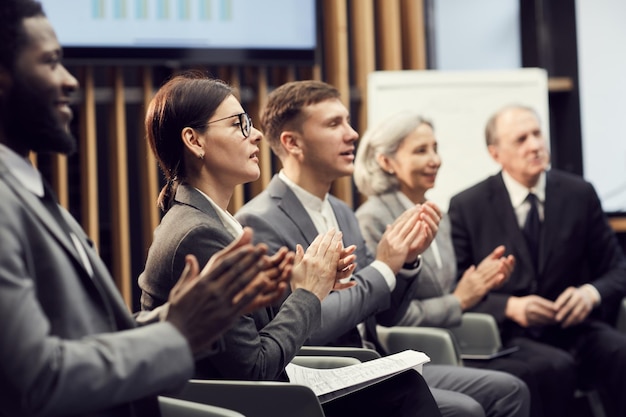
[(206, 145)]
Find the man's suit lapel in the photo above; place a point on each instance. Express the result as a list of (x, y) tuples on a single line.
[(109, 293), (35, 206), (289, 204), (100, 284), (500, 204)]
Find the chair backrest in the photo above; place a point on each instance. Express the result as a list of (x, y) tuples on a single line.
[(361, 354), (255, 398), (437, 343), (478, 333), (325, 362), (173, 407)]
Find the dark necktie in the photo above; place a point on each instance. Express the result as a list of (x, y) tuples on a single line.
[(532, 229), (50, 202)]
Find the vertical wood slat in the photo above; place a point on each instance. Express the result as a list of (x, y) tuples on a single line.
[(59, 179), (363, 52), (363, 57), (120, 228), (148, 171), (413, 34), (389, 34), (337, 70), (317, 72), (290, 75), (88, 159), (32, 156)]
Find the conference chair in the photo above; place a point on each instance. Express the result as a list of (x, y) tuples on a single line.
[(254, 398), (262, 398), (438, 343), (172, 407), (325, 361), (478, 336), (362, 354)]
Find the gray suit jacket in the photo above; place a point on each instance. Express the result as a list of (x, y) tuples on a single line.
[(62, 351), (261, 344), (279, 219), (433, 305)]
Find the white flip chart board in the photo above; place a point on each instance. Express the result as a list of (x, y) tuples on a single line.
[(459, 105)]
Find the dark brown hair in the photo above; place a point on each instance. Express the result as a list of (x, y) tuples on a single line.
[(284, 107), (186, 100)]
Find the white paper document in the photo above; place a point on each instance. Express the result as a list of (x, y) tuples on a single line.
[(328, 384)]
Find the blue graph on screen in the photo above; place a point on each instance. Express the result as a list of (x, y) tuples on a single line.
[(192, 24), (161, 9)]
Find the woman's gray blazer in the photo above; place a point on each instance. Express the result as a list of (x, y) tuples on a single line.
[(433, 303)]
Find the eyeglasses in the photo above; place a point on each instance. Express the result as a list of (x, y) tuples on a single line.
[(245, 123)]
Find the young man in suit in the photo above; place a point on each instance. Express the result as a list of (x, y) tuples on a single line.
[(309, 129), (69, 345), (570, 272)]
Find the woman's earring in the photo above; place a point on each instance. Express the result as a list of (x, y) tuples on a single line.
[(201, 155), (390, 172)]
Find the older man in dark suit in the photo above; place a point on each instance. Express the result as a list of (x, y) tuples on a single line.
[(570, 272)]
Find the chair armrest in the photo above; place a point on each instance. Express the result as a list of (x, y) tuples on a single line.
[(621, 317), (173, 407), (361, 354), (325, 362), (254, 398), (437, 343), (478, 333)]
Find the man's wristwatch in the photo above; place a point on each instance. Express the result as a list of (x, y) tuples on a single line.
[(414, 264)]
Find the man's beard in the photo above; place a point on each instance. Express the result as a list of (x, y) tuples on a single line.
[(32, 122)]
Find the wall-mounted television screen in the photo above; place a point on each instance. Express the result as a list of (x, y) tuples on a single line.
[(192, 31)]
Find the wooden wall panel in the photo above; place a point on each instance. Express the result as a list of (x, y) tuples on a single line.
[(359, 36), (88, 158), (147, 166), (59, 179), (336, 62), (363, 53), (413, 34), (120, 226), (389, 34)]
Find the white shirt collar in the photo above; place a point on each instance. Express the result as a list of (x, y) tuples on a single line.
[(231, 224), (518, 192), (23, 170)]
